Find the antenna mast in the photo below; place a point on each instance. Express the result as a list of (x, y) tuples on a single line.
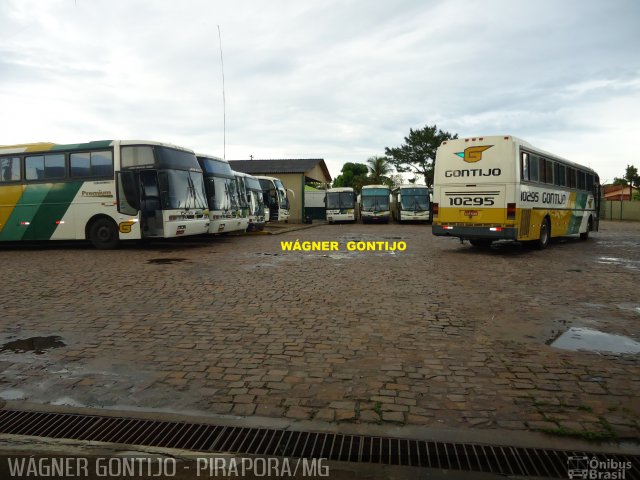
[(224, 102)]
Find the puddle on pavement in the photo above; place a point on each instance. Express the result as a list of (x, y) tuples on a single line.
[(12, 394), (165, 261), (587, 339), (33, 344), (630, 264)]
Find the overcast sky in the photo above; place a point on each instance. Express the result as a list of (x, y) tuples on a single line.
[(339, 80)]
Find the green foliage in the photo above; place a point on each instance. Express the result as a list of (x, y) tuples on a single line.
[(379, 170), (418, 152), (631, 176), (353, 175)]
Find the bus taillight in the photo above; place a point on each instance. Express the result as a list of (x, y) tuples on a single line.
[(435, 209), (511, 211)]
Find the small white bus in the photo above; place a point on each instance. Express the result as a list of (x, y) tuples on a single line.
[(340, 204)]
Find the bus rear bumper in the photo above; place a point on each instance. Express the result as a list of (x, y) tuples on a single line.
[(476, 233)]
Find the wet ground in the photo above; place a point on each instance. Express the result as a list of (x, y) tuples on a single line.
[(440, 335)]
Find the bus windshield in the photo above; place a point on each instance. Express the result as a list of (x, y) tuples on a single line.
[(414, 199), (336, 200), (218, 192), (375, 202), (182, 189), (176, 159)]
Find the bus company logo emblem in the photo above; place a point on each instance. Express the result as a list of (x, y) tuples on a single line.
[(473, 154), (125, 227)]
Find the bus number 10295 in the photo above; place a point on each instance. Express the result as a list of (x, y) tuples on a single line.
[(471, 201)]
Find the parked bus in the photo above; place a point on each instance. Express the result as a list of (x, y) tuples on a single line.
[(374, 204), (104, 191), (501, 187), (242, 213), (255, 209), (222, 195), (275, 198), (340, 205), (411, 203)]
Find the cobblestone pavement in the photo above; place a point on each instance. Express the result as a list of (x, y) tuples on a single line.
[(440, 335)]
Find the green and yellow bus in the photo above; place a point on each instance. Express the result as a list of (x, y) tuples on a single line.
[(104, 191), (501, 187)]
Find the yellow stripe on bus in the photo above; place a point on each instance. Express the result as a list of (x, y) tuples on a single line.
[(9, 196)]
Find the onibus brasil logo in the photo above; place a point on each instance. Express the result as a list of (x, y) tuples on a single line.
[(583, 467), (473, 154)]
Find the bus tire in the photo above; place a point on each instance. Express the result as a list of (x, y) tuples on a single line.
[(545, 234), (585, 236), (103, 234)]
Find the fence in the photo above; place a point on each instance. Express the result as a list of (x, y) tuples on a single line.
[(617, 210)]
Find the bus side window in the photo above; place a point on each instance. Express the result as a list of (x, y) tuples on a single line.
[(571, 177), (533, 168), (10, 169), (524, 166), (549, 171), (560, 176), (581, 180), (543, 170), (589, 182)]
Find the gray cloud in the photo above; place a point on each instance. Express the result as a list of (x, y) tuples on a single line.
[(333, 79)]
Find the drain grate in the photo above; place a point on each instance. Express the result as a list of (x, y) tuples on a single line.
[(502, 460)]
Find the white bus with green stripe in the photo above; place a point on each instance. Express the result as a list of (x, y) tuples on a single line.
[(503, 188), (103, 191)]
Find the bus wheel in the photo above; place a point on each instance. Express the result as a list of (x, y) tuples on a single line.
[(545, 234), (480, 243), (585, 235), (104, 234)]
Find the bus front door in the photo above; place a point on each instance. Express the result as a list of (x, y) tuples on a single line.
[(150, 206)]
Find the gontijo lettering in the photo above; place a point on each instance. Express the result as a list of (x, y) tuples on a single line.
[(332, 246)]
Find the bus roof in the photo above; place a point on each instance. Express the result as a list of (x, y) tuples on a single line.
[(264, 177), (48, 146), (375, 186), (211, 157), (522, 143), (339, 189)]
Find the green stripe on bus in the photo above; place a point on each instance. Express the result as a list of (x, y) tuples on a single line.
[(84, 146), (24, 211), (54, 206)]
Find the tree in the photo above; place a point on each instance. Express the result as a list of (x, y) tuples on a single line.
[(418, 153), (631, 178), (379, 170), (353, 175), (395, 180)]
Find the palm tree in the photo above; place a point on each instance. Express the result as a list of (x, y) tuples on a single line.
[(379, 169)]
